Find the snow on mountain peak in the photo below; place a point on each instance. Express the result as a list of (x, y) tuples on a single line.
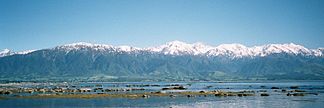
[(177, 47), (231, 46), (127, 48), (25, 52), (290, 48), (84, 45), (318, 52), (176, 43), (5, 52), (97, 47), (181, 48), (173, 47), (236, 50), (201, 48), (80, 44)]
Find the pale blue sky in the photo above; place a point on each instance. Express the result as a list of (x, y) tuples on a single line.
[(37, 24)]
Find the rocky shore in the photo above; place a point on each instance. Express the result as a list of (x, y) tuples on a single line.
[(139, 91)]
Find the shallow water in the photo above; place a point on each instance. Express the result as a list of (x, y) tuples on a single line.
[(277, 99)]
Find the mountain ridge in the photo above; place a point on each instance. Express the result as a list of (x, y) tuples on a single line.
[(175, 61), (181, 48)]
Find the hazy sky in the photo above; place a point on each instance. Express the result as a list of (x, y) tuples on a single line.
[(36, 24)]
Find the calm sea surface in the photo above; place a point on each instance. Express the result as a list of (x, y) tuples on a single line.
[(314, 97)]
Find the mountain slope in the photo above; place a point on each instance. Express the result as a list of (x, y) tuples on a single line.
[(174, 61)]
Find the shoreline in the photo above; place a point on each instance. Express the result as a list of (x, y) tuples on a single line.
[(215, 81), (143, 95)]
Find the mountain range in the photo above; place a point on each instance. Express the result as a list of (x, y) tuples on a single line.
[(173, 61)]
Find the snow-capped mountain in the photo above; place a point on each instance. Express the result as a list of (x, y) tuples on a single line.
[(96, 47), (232, 50), (25, 52), (7, 52), (182, 48), (173, 61)]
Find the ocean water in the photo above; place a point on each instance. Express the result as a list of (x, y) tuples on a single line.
[(314, 97)]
